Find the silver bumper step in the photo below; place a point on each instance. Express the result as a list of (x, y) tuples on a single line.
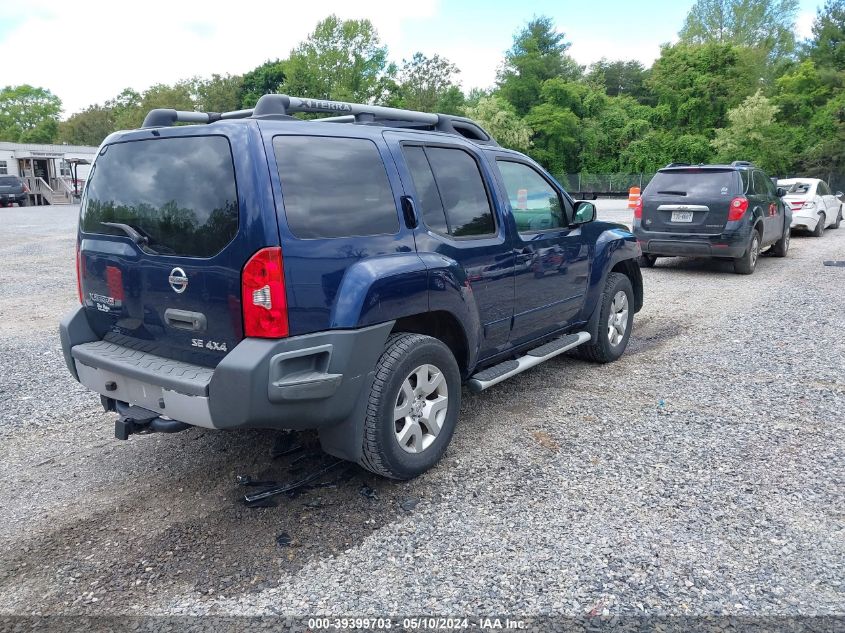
[(496, 374)]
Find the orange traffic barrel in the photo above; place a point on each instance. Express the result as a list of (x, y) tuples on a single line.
[(633, 197)]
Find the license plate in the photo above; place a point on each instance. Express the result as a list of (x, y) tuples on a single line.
[(681, 216)]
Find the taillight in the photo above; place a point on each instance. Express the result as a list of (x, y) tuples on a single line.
[(25, 188), (114, 281), (638, 209), (263, 297), (739, 206), (80, 269)]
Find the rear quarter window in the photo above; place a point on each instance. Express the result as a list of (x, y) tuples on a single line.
[(179, 192), (334, 187)]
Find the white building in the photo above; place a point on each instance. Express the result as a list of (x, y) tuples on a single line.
[(55, 174)]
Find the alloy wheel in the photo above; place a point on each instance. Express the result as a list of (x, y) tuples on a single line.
[(617, 321), (421, 407)]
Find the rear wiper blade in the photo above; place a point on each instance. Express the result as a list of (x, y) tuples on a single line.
[(136, 236), (674, 193)]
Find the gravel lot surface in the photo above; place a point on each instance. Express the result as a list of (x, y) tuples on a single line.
[(701, 474)]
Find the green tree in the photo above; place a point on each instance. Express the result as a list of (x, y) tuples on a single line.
[(425, 82), (499, 118), (696, 85), (342, 60), (219, 93), (88, 127), (610, 129), (753, 134), (822, 143), (827, 45), (132, 108), (620, 77), (764, 24), (261, 80), (29, 114), (802, 91), (538, 54), (452, 101)]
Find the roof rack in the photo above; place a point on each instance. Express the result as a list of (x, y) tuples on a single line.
[(276, 106)]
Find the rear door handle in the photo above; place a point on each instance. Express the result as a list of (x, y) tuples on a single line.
[(410, 212), (184, 320)]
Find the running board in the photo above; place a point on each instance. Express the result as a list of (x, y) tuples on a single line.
[(497, 373)]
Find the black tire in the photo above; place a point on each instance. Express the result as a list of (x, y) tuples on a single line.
[(647, 261), (24, 202), (781, 247), (819, 230), (838, 219), (600, 349), (403, 353), (746, 264)]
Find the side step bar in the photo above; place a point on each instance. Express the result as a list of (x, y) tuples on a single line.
[(497, 373)]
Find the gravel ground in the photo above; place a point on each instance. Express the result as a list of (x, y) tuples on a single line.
[(700, 474)]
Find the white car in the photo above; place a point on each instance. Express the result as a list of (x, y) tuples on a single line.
[(814, 206)]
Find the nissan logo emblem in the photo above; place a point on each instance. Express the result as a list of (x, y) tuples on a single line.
[(178, 280)]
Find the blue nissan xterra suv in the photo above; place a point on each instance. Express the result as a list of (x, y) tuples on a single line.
[(346, 274)]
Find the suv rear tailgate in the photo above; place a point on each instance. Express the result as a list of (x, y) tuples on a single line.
[(693, 200), (163, 245)]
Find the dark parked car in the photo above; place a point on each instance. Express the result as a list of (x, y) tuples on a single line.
[(13, 190), (725, 211), (344, 275)]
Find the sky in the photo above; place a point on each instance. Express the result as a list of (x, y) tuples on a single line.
[(87, 51)]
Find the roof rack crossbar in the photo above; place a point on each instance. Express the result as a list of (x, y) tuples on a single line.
[(277, 106), (165, 117)]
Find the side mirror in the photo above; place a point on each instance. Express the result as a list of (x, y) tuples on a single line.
[(839, 194), (781, 192), (584, 212)]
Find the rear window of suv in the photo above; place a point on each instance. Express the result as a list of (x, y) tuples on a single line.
[(9, 180), (693, 183), (178, 192), (334, 187)]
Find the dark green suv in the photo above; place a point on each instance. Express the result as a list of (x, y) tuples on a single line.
[(724, 211)]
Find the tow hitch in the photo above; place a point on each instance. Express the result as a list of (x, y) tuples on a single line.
[(134, 420)]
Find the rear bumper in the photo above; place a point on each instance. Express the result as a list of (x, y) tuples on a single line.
[(804, 220), (12, 197), (309, 381), (729, 244)]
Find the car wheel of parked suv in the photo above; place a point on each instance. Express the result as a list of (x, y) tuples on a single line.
[(413, 406), (647, 261), (746, 264), (781, 247), (615, 321), (819, 230)]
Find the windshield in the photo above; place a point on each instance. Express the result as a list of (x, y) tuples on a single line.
[(693, 183), (178, 193)]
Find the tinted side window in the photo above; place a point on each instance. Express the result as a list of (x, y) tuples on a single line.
[(334, 187), (178, 192), (770, 187), (462, 192), (760, 184), (746, 180), (535, 203), (428, 199)]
